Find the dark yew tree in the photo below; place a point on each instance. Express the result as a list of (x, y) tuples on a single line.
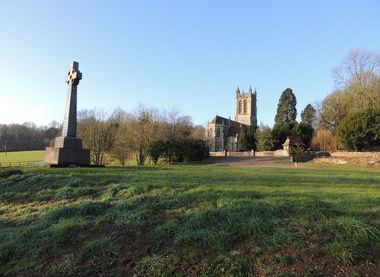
[(242, 139), (286, 108), (247, 138), (361, 130), (308, 115), (306, 127), (285, 119), (251, 138)]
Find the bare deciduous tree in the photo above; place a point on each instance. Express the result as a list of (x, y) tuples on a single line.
[(144, 129), (175, 127), (324, 140), (122, 146), (333, 109), (358, 75), (198, 132), (97, 132)]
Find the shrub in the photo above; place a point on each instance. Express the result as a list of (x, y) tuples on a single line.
[(361, 130), (323, 140), (185, 150), (297, 153)]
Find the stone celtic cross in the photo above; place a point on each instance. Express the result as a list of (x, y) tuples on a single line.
[(70, 122), (67, 149)]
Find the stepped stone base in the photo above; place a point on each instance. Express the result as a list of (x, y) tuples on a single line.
[(67, 151)]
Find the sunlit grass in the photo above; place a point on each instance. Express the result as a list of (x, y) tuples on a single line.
[(22, 156), (189, 219)]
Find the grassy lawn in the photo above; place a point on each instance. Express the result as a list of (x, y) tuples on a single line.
[(190, 220), (22, 156), (39, 155)]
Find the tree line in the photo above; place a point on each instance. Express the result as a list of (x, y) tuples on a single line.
[(147, 134), (347, 119), (27, 136)]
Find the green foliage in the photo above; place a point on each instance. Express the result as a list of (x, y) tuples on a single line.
[(283, 130), (247, 138), (345, 253), (308, 115), (185, 150), (354, 231), (285, 120), (195, 150), (264, 138), (286, 109), (306, 133), (306, 127), (297, 153), (361, 130), (242, 140), (351, 238)]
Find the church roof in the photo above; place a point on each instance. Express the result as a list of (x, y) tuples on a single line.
[(219, 120), (222, 120), (234, 127)]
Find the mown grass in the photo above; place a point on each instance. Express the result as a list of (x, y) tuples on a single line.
[(22, 156), (39, 155), (189, 220)]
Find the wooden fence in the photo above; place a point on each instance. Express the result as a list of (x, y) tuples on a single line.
[(19, 164)]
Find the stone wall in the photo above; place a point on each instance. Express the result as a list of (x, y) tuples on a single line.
[(343, 154), (342, 157), (232, 154), (277, 153)]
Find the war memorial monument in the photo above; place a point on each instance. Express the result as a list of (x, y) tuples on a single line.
[(67, 149)]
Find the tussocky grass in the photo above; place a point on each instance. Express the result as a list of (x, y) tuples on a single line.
[(189, 220)]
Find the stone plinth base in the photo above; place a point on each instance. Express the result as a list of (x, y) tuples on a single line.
[(67, 151)]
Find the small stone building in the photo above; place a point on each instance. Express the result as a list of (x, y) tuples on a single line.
[(222, 133), (292, 141)]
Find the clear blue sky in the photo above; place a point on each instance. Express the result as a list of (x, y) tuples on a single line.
[(186, 54)]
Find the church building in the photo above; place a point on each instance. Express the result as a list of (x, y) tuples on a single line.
[(222, 133)]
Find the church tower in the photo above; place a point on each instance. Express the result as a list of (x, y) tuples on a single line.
[(246, 109)]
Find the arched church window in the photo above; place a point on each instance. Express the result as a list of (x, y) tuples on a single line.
[(240, 107), (245, 106), (218, 133)]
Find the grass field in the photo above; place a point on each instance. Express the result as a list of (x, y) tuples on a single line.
[(22, 156), (38, 156), (190, 220)]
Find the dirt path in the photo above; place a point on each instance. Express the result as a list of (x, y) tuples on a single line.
[(274, 162)]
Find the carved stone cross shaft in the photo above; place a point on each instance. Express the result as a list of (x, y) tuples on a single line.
[(70, 123)]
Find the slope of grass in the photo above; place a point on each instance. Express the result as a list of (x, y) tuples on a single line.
[(22, 156), (189, 220)]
